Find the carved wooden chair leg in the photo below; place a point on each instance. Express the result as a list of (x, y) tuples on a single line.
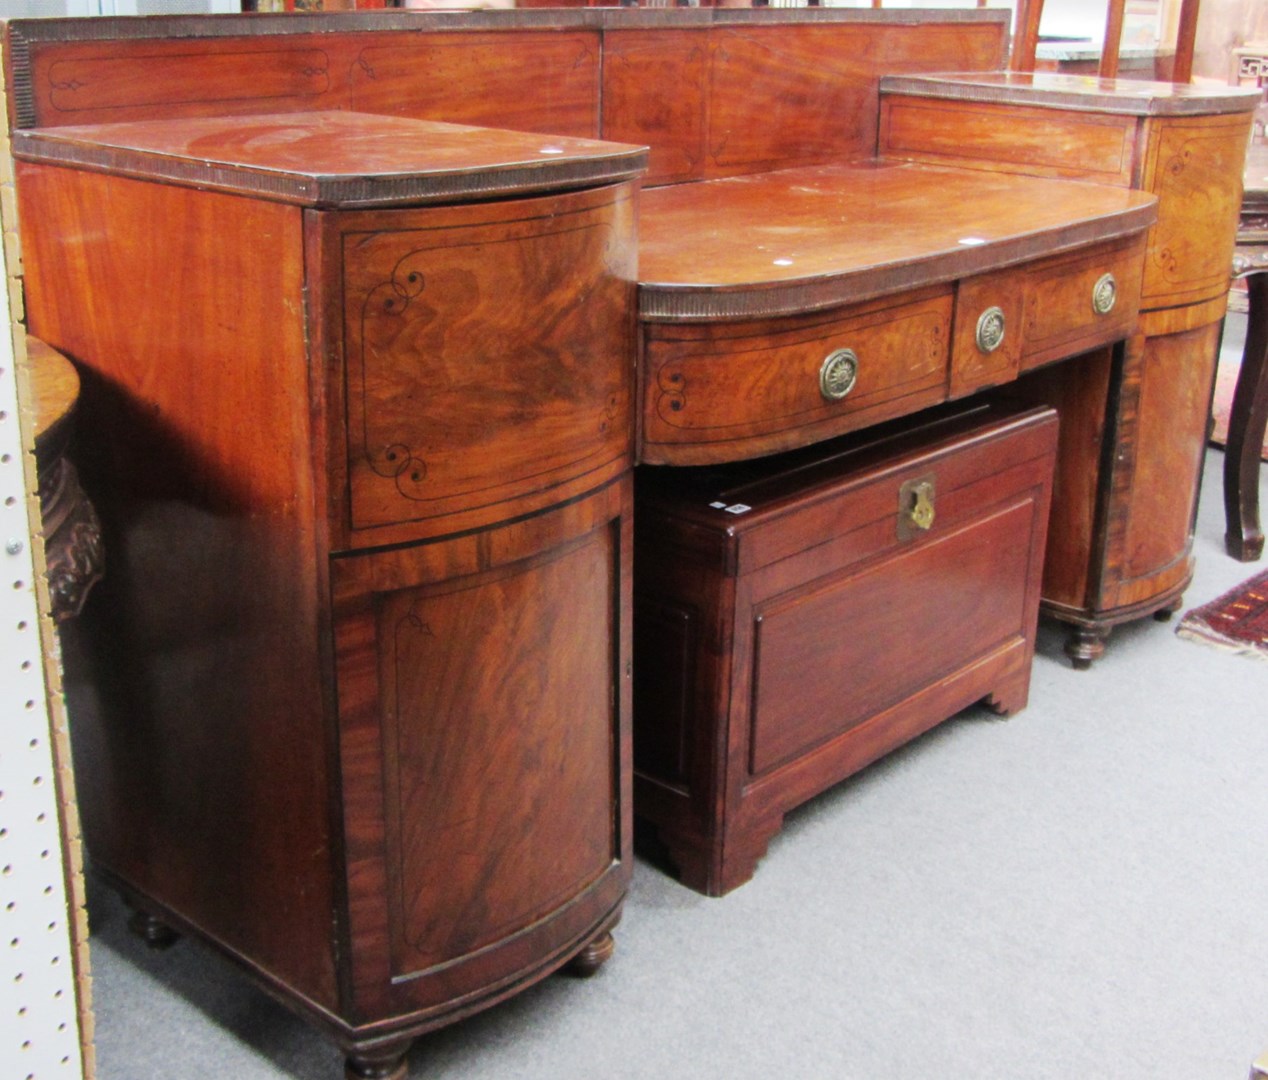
[(1244, 538), (597, 953), (152, 930), (386, 1061)]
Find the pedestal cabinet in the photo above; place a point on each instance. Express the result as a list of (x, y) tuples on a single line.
[(1120, 545), (361, 442)]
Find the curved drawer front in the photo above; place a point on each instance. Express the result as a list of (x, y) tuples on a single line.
[(721, 392), (1194, 165), (1076, 303), (487, 359)]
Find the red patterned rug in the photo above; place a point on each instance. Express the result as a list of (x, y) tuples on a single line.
[(1237, 621)]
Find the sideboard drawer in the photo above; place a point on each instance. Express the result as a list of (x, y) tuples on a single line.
[(1078, 302), (724, 391), (486, 360)]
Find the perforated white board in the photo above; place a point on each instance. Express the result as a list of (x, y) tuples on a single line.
[(39, 1033)]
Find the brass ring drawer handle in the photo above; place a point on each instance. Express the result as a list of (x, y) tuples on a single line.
[(1104, 294), (837, 374), (990, 329)]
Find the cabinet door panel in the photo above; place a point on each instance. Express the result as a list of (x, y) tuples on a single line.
[(483, 699), (499, 750)]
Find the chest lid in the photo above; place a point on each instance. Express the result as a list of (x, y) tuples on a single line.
[(751, 513), (335, 158)]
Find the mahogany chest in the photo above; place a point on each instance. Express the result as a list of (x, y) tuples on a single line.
[(797, 618)]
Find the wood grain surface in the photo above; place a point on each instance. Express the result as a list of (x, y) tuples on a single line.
[(206, 689), (335, 158), (810, 637), (814, 236), (485, 360)]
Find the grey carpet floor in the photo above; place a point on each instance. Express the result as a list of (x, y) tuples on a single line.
[(1075, 893)]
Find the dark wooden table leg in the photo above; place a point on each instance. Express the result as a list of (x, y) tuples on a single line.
[(1244, 538)]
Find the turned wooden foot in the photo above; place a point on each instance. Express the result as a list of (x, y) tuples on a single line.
[(593, 956), (1164, 614), (153, 931), (388, 1062), (1084, 645), (1248, 417)]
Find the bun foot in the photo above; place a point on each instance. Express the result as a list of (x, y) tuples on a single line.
[(593, 956), (381, 1063), (1164, 614), (1085, 645), (153, 931)]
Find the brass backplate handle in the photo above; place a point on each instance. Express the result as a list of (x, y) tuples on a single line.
[(1104, 294), (915, 507), (837, 374), (990, 329)]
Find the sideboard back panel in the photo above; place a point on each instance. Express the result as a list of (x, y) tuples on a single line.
[(713, 94)]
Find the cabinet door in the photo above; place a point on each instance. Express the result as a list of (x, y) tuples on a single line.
[(483, 704)]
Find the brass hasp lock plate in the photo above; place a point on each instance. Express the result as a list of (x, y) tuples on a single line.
[(915, 507)]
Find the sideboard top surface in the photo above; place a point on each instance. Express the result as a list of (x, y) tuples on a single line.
[(1131, 97), (815, 237), (334, 158)]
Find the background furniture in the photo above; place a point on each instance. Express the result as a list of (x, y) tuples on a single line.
[(808, 613), (73, 554), (1244, 536)]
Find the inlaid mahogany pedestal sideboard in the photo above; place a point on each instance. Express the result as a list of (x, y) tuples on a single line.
[(363, 383), (1121, 541)]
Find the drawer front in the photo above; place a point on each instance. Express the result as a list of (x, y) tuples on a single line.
[(487, 352), (987, 341), (1194, 165), (721, 393), (1075, 304)]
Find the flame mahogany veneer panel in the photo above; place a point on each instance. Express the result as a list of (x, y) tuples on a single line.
[(476, 386), (710, 98), (1171, 421), (546, 82), (1195, 167), (728, 100), (991, 136), (484, 686)]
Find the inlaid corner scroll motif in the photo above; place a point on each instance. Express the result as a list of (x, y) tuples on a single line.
[(1199, 197), (390, 300), (486, 361)]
